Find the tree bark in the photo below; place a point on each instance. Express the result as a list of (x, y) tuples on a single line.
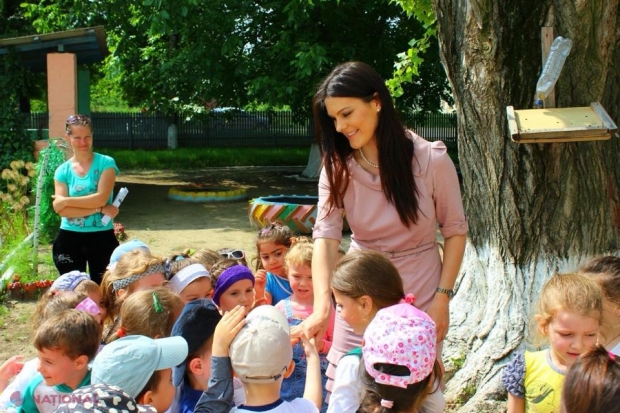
[(533, 208)]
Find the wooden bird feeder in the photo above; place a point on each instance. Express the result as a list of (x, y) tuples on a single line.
[(551, 125)]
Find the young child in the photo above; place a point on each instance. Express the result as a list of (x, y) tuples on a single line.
[(569, 315), (261, 356), (136, 270), (142, 367), (150, 313), (190, 279), (55, 304), (272, 244), (400, 360), (606, 272), (358, 298), (593, 383), (234, 286), (196, 325), (66, 343), (297, 308)]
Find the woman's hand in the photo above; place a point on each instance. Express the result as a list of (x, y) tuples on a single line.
[(110, 210), (316, 324), (60, 202), (439, 311)]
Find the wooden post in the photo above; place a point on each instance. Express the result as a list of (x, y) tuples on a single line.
[(546, 39)]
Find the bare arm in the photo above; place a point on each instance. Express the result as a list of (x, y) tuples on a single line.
[(313, 390), (324, 258), (515, 404), (454, 248), (100, 198)]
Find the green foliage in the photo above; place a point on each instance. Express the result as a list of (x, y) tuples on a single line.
[(192, 158), (14, 201), (49, 220), (409, 66), (187, 55), (14, 83)]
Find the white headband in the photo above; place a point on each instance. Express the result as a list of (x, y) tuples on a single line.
[(184, 277)]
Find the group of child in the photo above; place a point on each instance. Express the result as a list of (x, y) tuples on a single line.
[(166, 335)]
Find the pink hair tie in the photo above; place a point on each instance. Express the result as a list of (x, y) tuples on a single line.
[(612, 356), (409, 299), (387, 403)]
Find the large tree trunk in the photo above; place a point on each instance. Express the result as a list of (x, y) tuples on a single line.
[(533, 208)]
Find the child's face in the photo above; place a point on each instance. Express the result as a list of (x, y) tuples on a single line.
[(58, 368), (272, 257), (197, 289), (240, 293), (163, 395), (351, 312), (570, 334), (300, 278)]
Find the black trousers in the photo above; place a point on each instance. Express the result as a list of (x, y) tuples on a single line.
[(73, 250)]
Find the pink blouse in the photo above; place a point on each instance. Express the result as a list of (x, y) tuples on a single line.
[(375, 223)]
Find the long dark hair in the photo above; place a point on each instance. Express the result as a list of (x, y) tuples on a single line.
[(359, 80), (593, 383)]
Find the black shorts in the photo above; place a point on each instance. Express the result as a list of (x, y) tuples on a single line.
[(73, 250)]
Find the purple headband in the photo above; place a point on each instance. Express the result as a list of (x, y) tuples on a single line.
[(229, 277)]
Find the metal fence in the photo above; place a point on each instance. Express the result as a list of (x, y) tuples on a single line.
[(231, 128)]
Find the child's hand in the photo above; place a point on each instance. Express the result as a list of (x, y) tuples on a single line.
[(11, 368), (260, 279), (309, 347), (226, 330)]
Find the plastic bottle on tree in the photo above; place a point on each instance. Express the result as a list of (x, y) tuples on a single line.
[(560, 48)]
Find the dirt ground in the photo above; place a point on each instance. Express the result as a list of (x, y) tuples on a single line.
[(169, 226)]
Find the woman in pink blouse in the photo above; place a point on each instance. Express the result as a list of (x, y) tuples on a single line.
[(396, 190)]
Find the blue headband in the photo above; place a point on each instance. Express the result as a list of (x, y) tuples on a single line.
[(228, 278)]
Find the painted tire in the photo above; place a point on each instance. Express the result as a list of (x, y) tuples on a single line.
[(298, 212), (203, 193)]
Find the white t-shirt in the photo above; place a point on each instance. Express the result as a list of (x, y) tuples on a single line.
[(281, 406), (346, 391)]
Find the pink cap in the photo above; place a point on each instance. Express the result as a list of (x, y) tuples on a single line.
[(400, 335)]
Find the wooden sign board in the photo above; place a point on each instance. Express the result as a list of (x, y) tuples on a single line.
[(560, 124)]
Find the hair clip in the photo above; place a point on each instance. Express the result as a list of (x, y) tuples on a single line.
[(410, 298), (121, 332), (191, 252), (388, 404), (612, 356), (157, 304)]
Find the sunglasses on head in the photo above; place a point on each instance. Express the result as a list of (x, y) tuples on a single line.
[(78, 119), (234, 255)]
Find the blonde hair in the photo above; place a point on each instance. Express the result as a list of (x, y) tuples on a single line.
[(141, 315), (569, 292), (300, 252), (207, 257), (131, 263), (54, 302), (87, 287), (219, 267)]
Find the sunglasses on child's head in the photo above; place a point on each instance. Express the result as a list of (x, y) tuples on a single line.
[(234, 255)]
